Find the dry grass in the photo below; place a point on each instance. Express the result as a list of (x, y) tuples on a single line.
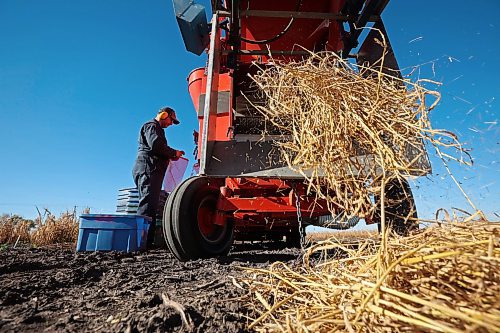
[(46, 229), (14, 228), (443, 279), (55, 230), (331, 112)]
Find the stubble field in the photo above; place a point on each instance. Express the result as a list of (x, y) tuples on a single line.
[(56, 289)]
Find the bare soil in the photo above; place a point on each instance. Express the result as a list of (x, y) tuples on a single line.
[(60, 290)]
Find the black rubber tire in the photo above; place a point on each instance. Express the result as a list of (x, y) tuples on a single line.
[(400, 209), (168, 231), (184, 236)]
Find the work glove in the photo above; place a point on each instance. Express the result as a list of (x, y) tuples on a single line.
[(178, 153)]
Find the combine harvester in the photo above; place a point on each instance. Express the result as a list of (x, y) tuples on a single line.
[(244, 191)]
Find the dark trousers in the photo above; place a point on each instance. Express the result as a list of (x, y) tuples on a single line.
[(148, 177)]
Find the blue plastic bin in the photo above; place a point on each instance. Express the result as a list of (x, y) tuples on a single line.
[(108, 232)]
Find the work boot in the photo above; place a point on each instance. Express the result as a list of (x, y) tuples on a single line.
[(151, 237)]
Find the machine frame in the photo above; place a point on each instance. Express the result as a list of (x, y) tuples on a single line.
[(244, 190)]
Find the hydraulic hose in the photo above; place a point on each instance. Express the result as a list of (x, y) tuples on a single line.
[(280, 34)]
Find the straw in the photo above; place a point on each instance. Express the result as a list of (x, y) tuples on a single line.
[(350, 129), (444, 279)]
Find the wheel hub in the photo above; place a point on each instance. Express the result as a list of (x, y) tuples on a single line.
[(206, 216)]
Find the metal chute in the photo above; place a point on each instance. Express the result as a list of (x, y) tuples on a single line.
[(192, 21)]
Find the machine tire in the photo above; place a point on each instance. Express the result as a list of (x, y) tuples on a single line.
[(400, 209), (168, 231), (190, 232)]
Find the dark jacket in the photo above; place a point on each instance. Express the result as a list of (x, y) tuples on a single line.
[(152, 142), (149, 170)]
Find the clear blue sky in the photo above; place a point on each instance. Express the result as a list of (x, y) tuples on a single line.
[(78, 79)]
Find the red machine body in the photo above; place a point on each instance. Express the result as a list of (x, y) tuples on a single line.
[(244, 190), (249, 201)]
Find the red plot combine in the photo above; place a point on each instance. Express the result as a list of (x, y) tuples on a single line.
[(243, 189)]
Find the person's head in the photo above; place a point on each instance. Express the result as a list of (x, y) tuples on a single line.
[(166, 117)]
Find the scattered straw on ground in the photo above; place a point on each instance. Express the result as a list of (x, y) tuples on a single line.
[(444, 279), (332, 111)]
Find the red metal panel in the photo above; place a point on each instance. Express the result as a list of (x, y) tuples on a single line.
[(309, 33), (245, 183), (271, 205), (334, 32)]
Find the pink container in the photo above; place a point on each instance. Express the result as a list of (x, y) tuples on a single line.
[(175, 173)]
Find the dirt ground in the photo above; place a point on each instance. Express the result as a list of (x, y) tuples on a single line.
[(60, 290)]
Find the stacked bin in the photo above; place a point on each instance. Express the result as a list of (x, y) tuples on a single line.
[(128, 203)]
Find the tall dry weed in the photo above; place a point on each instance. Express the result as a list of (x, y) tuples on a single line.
[(46, 229), (14, 228), (55, 230)]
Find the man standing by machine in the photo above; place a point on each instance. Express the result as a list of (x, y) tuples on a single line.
[(152, 161)]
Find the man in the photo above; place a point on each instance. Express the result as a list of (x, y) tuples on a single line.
[(152, 160)]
